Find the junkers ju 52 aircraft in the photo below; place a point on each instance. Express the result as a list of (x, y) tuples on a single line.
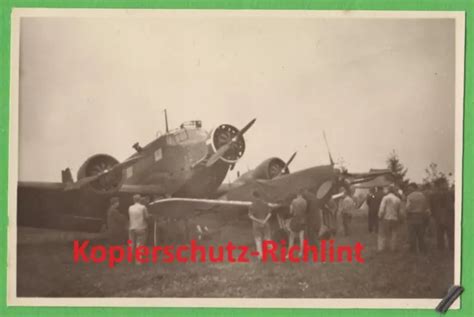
[(186, 162), (182, 170)]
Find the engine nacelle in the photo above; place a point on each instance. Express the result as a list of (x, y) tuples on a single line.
[(101, 164), (268, 169), (221, 136)]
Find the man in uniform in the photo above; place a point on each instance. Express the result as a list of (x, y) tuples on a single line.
[(373, 203), (314, 217), (116, 223), (442, 208), (328, 228)]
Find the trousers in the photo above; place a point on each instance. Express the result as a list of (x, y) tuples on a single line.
[(387, 235)]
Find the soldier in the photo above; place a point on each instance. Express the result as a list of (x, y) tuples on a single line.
[(314, 217), (116, 223), (329, 220), (442, 208), (373, 203)]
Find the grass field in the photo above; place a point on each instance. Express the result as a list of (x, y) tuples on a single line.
[(46, 269)]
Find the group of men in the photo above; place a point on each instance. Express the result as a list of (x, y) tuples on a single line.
[(302, 218), (389, 208), (136, 225)]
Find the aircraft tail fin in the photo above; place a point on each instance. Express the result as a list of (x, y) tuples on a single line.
[(66, 176)]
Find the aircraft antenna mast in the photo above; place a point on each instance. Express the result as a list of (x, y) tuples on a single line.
[(166, 121)]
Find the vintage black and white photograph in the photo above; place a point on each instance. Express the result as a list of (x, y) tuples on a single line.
[(235, 158)]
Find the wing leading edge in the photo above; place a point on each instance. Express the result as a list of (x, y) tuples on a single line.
[(184, 207)]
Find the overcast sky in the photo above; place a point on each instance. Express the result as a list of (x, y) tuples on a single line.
[(92, 85)]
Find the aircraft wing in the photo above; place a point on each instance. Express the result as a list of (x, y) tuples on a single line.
[(42, 185), (371, 179), (379, 181), (49, 205), (143, 189), (184, 207)]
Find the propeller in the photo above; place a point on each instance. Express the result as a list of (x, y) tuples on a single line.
[(224, 148), (290, 160), (292, 157), (327, 146), (103, 171)]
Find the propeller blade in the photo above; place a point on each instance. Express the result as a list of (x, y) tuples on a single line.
[(327, 146), (220, 151), (216, 156), (245, 129), (290, 160)]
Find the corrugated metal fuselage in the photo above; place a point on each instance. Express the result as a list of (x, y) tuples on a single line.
[(172, 164)]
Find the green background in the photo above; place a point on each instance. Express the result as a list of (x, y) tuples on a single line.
[(467, 279)]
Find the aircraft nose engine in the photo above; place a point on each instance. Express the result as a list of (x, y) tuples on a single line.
[(101, 164), (222, 136)]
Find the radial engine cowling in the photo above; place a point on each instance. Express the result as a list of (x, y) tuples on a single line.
[(222, 135), (270, 168), (101, 164)]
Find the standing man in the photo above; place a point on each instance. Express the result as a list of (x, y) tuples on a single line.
[(442, 207), (260, 213), (329, 222), (297, 225), (314, 217), (373, 203), (417, 218), (116, 223), (346, 208), (138, 222), (390, 217)]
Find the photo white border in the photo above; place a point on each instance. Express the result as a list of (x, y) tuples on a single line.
[(342, 303)]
